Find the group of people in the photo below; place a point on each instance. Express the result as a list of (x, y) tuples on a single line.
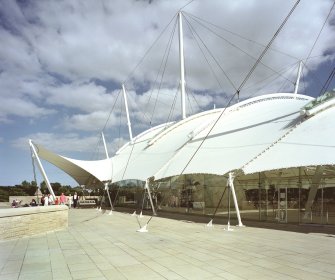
[(47, 199), (16, 203)]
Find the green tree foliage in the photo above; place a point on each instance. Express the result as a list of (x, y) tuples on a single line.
[(43, 187), (29, 188), (4, 194), (64, 189), (17, 190), (56, 186), (25, 184)]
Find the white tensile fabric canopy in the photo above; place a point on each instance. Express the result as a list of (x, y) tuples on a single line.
[(311, 143), (243, 131), (148, 155), (84, 172), (259, 134)]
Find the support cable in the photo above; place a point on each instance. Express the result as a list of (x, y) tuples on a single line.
[(148, 50), (186, 5), (238, 35), (217, 207), (266, 49), (131, 74), (206, 59), (120, 124), (190, 93), (124, 171), (173, 106), (236, 47), (272, 78), (284, 83), (167, 53), (104, 127), (210, 53), (328, 81), (317, 38)]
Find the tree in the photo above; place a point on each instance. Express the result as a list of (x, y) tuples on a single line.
[(56, 187), (25, 184), (28, 188), (43, 187), (65, 189)]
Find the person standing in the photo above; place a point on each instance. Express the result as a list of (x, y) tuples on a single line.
[(62, 199), (46, 200), (51, 199), (75, 200)]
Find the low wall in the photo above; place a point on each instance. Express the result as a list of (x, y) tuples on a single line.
[(26, 221)]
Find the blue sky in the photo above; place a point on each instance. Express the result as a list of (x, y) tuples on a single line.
[(62, 64)]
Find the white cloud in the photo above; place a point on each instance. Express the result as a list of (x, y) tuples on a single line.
[(87, 148), (89, 122), (61, 143), (63, 62), (21, 108), (86, 97), (81, 41), (149, 107)]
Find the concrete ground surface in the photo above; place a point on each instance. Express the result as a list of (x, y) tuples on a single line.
[(101, 246)]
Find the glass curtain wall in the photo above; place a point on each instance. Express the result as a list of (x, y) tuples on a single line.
[(297, 196)]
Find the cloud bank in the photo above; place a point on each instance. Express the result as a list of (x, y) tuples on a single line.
[(63, 62)]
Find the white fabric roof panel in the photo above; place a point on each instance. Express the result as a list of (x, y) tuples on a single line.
[(101, 169), (79, 170), (310, 143), (244, 130), (124, 156), (143, 159)]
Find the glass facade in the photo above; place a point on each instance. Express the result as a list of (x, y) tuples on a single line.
[(299, 196)]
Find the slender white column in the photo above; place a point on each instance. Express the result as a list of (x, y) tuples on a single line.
[(182, 67), (149, 194), (109, 197), (127, 112), (296, 87), (40, 166), (231, 184), (105, 146)]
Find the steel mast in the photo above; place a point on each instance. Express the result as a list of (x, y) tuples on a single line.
[(182, 67), (127, 112)]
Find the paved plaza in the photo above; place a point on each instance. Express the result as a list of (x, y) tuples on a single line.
[(101, 246)]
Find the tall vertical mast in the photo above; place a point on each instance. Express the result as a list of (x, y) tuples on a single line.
[(298, 78), (105, 146), (127, 112), (182, 68)]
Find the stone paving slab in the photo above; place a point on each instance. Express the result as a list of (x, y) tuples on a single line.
[(101, 246)]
